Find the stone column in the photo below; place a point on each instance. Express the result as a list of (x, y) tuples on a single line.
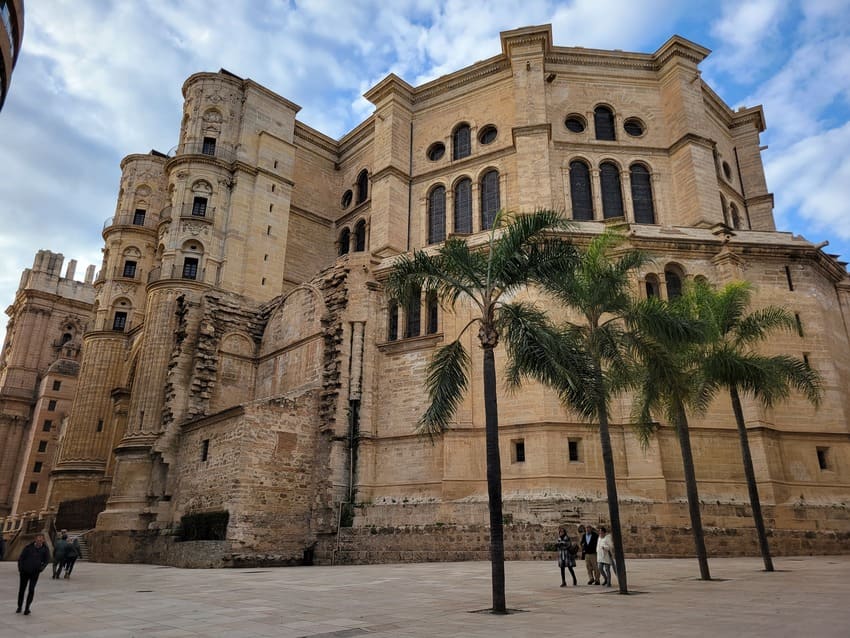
[(86, 447)]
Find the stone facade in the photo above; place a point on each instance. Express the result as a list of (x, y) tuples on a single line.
[(39, 367), (242, 356)]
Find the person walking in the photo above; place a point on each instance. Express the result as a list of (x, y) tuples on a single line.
[(2, 547), (567, 551), (32, 561), (60, 553), (605, 555), (588, 538), (73, 553)]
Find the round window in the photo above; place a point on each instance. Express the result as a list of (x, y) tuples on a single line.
[(488, 134), (436, 151), (634, 127), (347, 196), (575, 123), (727, 171)]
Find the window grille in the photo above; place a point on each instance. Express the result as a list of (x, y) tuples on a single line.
[(603, 120), (463, 206), (129, 269), (139, 217), (490, 199), (581, 195), (414, 312), (612, 194), (199, 207), (119, 321), (209, 146), (437, 215), (642, 195), (461, 142), (190, 268)]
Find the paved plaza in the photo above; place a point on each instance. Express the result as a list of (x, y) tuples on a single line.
[(807, 596)]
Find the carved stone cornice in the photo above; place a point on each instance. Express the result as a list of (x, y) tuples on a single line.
[(461, 78), (752, 116), (314, 137), (692, 138)]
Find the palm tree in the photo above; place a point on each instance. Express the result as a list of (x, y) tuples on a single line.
[(729, 362), (598, 291), (671, 335), (519, 248)]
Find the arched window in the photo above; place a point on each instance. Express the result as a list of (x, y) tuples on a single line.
[(437, 215), (413, 312), (652, 287), (432, 308), (735, 217), (344, 241), (362, 186), (603, 120), (461, 142), (674, 283), (580, 194), (612, 194), (724, 210), (360, 236), (642, 194), (463, 206), (490, 198), (392, 320)]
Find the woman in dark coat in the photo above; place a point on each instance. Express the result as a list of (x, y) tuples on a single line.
[(566, 558)]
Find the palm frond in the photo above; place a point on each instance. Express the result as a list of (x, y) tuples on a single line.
[(539, 351), (447, 381), (758, 325)]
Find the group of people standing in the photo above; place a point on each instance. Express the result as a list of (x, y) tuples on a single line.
[(36, 556), (597, 552)]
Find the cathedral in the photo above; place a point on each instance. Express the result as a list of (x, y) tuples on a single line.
[(236, 360)]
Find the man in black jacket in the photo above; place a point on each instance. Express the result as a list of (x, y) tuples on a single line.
[(588, 539), (31, 563)]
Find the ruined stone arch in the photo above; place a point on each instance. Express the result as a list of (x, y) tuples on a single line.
[(238, 343), (297, 317)]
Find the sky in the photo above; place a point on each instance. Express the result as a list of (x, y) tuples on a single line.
[(100, 79)]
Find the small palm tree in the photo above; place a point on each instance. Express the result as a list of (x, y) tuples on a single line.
[(598, 291), (729, 362), (519, 249), (668, 347)]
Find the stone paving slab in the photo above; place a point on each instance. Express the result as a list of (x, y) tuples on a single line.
[(807, 596)]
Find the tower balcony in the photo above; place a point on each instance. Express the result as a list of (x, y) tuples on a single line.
[(130, 221), (197, 213), (208, 148)]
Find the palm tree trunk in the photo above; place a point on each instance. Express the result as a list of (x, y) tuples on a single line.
[(611, 487), (691, 489), (750, 473), (494, 483)]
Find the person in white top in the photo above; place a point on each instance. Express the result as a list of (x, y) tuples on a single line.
[(605, 555)]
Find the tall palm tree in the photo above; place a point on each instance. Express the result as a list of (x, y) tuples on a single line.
[(729, 362), (597, 291), (671, 335), (519, 248)]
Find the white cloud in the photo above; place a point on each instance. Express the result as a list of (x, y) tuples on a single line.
[(748, 33), (812, 182)]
